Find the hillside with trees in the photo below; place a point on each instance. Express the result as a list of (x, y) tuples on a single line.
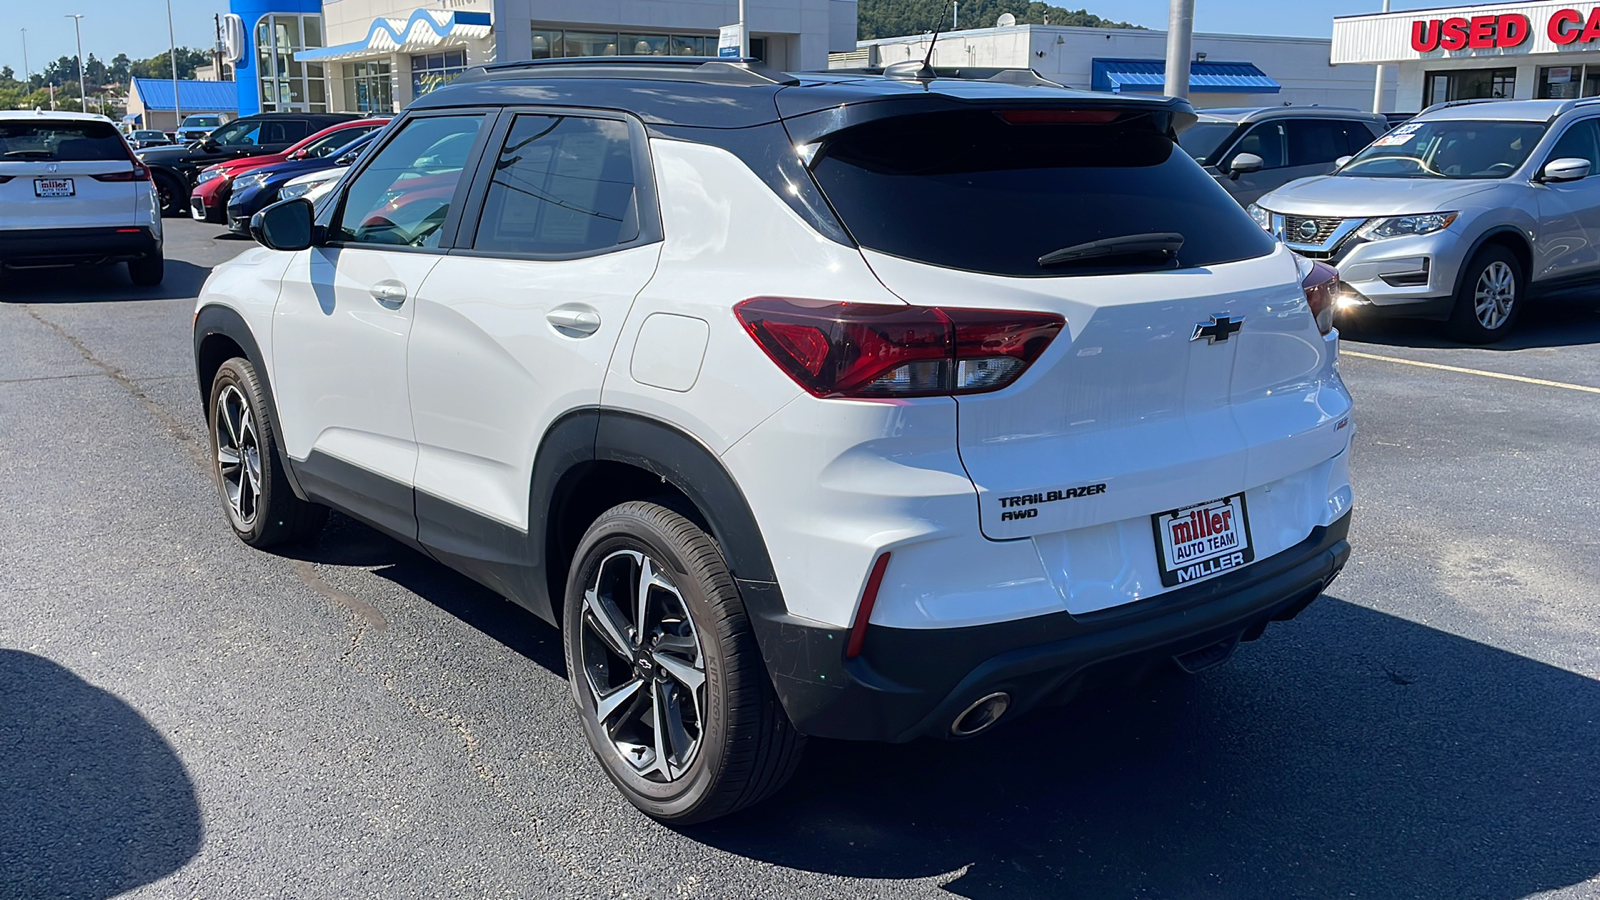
[(103, 79), (895, 18)]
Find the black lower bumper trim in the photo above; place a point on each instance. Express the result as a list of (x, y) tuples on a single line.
[(60, 246), (913, 682)]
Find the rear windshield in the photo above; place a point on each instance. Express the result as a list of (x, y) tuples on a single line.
[(60, 141), (971, 191)]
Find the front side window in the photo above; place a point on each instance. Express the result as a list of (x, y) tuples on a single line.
[(1267, 141), (1581, 141), (403, 198), (238, 133), (1314, 142), (1025, 190), (562, 185), (1451, 148), (1203, 139)]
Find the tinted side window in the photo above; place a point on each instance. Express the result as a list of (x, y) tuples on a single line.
[(237, 133), (1266, 141), (1023, 191), (1357, 137), (1579, 143), (404, 196), (284, 131), (1315, 142), (561, 185)]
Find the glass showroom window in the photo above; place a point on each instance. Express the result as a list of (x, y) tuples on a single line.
[(288, 85), (433, 70), (367, 87), (548, 44)]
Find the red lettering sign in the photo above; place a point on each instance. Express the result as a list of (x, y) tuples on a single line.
[(1557, 29), (1514, 29), (1591, 29), (1480, 32), (1453, 34), (1425, 35), (1486, 32)]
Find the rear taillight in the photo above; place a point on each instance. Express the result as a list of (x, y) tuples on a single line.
[(138, 173), (1320, 285), (867, 350)]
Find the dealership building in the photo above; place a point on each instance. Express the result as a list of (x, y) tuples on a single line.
[(1227, 69), (1511, 50)]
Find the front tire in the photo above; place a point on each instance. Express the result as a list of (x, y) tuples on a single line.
[(1489, 297), (670, 686), (174, 198), (261, 507)]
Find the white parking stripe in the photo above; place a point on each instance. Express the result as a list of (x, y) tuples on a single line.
[(1501, 375)]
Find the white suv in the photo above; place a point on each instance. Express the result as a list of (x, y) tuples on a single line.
[(866, 406), (71, 192)]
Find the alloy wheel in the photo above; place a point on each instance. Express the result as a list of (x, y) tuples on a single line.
[(642, 665), (238, 454), (1495, 293)]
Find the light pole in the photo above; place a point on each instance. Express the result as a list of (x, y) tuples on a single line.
[(27, 73), (1377, 82), (1180, 38), (172, 56), (83, 95)]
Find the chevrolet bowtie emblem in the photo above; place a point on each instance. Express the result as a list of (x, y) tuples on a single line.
[(1220, 328)]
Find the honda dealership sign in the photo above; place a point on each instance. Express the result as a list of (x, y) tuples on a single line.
[(1468, 31)]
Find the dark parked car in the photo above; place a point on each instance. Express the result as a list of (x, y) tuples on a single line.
[(260, 188), (1253, 151), (148, 138), (174, 169)]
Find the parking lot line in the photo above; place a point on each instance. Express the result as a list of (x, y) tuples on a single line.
[(1501, 375)]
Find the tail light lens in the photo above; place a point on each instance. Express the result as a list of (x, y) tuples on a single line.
[(1320, 285), (138, 173), (868, 350)]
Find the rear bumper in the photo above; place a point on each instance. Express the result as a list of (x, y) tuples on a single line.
[(912, 682), (64, 246)]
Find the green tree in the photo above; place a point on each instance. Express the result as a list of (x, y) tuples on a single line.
[(121, 68), (160, 65), (895, 18)]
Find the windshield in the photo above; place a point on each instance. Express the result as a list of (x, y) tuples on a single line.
[(1026, 186), (198, 121), (1202, 139), (1456, 149)]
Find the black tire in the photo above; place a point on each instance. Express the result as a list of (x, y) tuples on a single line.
[(1493, 269), (746, 747), (261, 507), (148, 271), (174, 196)]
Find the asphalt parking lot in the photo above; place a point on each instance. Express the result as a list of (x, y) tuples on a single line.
[(181, 716)]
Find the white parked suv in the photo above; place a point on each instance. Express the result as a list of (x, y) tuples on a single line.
[(71, 193), (862, 406)]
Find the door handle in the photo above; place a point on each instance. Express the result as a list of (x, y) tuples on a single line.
[(389, 292), (574, 321)]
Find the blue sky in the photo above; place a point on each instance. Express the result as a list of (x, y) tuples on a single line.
[(139, 27)]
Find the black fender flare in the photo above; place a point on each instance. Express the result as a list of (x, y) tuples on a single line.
[(216, 320), (1489, 235)]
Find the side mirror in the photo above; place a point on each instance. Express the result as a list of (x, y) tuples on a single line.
[(298, 154), (210, 146), (1339, 163), (1245, 163), (1568, 168), (286, 225)]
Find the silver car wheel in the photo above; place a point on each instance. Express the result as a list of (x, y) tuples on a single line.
[(238, 454), (1495, 293), (643, 666)]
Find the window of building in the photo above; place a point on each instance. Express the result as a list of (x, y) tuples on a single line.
[(1568, 82), (435, 70), (550, 44), (563, 185), (403, 197), (287, 85), (1469, 84), (368, 87)]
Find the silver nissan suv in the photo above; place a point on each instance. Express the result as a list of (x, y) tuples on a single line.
[(1457, 215)]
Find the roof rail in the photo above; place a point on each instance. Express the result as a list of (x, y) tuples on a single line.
[(1449, 103), (909, 70), (704, 69)]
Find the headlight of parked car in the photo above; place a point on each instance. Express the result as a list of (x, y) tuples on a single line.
[(291, 191), (1401, 226), (208, 175), (1262, 217), (245, 182)]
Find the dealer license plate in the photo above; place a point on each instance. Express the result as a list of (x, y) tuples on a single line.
[(1203, 541), (52, 187)]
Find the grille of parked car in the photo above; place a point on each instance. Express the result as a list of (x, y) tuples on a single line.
[(1309, 230)]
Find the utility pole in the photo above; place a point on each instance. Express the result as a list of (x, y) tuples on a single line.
[(172, 55), (1180, 38), (1377, 85), (27, 73), (744, 33), (77, 26), (955, 15)]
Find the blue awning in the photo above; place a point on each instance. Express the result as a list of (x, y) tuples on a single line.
[(1150, 76), (197, 96), (425, 30)]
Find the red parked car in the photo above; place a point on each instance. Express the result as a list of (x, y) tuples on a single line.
[(208, 202)]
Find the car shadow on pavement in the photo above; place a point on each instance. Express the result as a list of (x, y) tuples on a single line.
[(93, 801), (96, 284), (1559, 320), (1350, 753)]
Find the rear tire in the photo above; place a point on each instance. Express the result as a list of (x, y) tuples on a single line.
[(148, 271), (1489, 297), (673, 695), (261, 507)]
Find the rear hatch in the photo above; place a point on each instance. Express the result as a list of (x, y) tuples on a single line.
[(1182, 377), (65, 173)]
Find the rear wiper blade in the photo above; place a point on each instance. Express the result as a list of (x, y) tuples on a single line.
[(1162, 243)]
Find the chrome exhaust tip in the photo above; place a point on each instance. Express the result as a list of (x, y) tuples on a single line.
[(981, 715)]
